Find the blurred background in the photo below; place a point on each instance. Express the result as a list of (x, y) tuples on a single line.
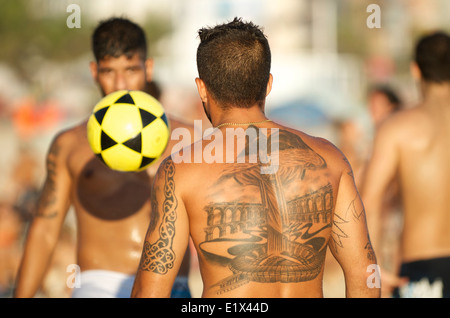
[(326, 61)]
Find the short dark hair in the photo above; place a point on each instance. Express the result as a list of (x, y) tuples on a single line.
[(433, 57), (233, 60), (390, 94), (118, 36)]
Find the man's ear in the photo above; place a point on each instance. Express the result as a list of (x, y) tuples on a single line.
[(201, 88), (269, 84), (149, 69), (93, 67), (415, 71)]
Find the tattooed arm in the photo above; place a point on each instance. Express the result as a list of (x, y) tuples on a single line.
[(167, 237), (350, 242), (47, 222)]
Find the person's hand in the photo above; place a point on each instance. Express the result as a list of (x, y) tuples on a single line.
[(390, 281)]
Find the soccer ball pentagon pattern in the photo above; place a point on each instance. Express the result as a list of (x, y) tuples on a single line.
[(128, 130)]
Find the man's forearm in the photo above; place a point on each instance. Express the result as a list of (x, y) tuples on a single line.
[(35, 262)]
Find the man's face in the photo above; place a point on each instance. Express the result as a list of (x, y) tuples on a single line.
[(379, 107), (113, 74)]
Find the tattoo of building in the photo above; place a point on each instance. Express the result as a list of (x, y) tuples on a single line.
[(288, 260), (232, 217)]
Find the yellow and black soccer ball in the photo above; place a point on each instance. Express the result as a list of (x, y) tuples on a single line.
[(128, 130)]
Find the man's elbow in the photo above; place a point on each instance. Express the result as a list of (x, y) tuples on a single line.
[(146, 291), (365, 282)]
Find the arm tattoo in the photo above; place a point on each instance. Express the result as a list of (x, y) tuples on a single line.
[(338, 233), (370, 252), (48, 195), (350, 171), (339, 221), (159, 256), (154, 214)]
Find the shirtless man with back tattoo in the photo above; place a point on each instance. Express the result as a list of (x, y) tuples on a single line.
[(262, 202)]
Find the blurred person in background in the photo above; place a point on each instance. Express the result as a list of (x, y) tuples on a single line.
[(412, 146), (382, 102), (355, 140), (112, 208)]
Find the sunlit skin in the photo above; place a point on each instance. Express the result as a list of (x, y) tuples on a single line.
[(195, 187), (113, 74), (411, 146), (112, 208)]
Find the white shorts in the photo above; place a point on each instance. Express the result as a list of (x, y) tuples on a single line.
[(109, 284), (103, 284)]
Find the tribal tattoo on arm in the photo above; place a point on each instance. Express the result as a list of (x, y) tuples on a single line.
[(159, 257), (354, 212), (48, 194)]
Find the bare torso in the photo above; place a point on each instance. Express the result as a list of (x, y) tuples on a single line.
[(425, 181), (112, 209)]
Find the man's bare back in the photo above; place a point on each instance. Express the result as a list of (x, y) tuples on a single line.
[(412, 147), (265, 235), (270, 230), (261, 202), (423, 138)]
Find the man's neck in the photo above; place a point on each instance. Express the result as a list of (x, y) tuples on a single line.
[(237, 115), (435, 92)]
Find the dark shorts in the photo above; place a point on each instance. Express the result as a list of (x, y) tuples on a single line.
[(427, 279), (180, 288)]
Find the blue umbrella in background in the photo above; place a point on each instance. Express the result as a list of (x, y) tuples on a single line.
[(305, 115), (299, 114)]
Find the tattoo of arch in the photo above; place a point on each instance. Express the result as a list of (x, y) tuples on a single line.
[(159, 257), (279, 237)]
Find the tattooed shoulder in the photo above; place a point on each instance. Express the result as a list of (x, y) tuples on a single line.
[(348, 167)]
